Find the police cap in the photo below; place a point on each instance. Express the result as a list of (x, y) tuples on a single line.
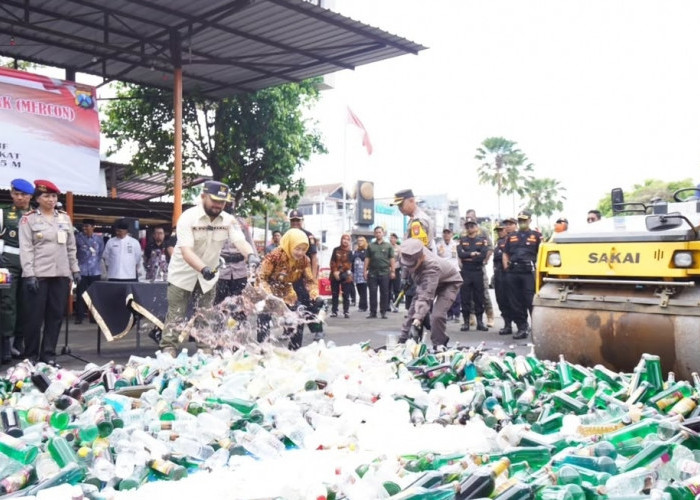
[(218, 191), (509, 220), (498, 226), (399, 196), (295, 214), (42, 186), (22, 186), (470, 220), (411, 250), (524, 214)]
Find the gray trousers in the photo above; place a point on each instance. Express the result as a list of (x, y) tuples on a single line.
[(444, 297), (178, 300)]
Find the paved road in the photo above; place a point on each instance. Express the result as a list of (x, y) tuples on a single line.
[(82, 339)]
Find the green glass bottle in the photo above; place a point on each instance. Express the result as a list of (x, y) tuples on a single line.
[(633, 433), (61, 451), (166, 469), (482, 481), (535, 456), (600, 464), (242, 406), (564, 402), (584, 474), (614, 380), (564, 372), (58, 420), (17, 449), (651, 451), (652, 371)]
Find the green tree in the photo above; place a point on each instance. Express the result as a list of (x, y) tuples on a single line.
[(256, 143), (544, 196), (646, 192), (503, 166)]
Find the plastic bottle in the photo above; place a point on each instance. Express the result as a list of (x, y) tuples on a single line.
[(17, 480), (17, 450)]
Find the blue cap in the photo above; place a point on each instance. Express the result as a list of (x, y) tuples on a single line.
[(22, 186)]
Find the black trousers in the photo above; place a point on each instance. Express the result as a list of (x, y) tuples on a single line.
[(472, 290), (305, 300), (361, 296), (336, 288), (520, 288), (80, 306), (396, 284), (499, 284), (228, 288), (46, 307), (380, 283)]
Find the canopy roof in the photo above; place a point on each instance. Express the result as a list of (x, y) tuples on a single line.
[(225, 47)]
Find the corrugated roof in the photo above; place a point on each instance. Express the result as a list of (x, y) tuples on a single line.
[(144, 186), (226, 47)]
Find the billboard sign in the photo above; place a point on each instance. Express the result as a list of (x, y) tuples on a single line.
[(49, 129)]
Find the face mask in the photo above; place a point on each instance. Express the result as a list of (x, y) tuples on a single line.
[(523, 226)]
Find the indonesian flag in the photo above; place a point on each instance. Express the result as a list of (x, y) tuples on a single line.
[(354, 120)]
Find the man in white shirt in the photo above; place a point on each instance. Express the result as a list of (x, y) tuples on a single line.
[(201, 233), (122, 254)]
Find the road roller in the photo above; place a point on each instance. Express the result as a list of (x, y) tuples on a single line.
[(609, 291)]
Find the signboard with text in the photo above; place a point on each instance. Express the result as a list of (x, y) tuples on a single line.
[(49, 129)]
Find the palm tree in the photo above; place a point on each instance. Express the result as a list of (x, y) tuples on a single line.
[(545, 196), (502, 166)]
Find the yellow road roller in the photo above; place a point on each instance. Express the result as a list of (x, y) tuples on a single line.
[(626, 285)]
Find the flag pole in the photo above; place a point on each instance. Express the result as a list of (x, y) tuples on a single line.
[(345, 171)]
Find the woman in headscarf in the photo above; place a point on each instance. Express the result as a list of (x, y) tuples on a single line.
[(279, 270)]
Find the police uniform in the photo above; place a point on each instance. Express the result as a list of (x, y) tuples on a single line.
[(499, 281), (11, 298), (520, 255), (48, 258), (472, 276), (420, 227), (437, 282)]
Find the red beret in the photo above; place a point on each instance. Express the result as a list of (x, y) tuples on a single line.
[(42, 186)]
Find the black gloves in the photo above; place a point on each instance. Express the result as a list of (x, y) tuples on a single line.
[(76, 278), (208, 273), (31, 284), (233, 258)]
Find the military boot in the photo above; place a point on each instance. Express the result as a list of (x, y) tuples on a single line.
[(480, 326), (506, 330), (521, 333)]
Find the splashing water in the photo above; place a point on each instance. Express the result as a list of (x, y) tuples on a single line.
[(236, 320)]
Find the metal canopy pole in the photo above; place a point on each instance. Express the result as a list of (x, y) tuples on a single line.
[(176, 54)]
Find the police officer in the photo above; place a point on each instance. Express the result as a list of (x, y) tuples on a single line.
[(420, 227), (49, 261), (472, 251), (503, 229), (519, 257), (21, 192), (437, 282), (296, 221)]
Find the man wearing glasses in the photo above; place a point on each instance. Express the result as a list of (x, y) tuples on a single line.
[(594, 216), (21, 192)]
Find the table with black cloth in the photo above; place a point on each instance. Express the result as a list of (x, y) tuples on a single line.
[(116, 306)]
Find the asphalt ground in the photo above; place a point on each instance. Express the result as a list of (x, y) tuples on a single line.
[(82, 339)]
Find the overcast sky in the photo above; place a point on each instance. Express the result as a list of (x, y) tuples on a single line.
[(597, 93)]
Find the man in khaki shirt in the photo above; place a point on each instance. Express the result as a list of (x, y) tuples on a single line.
[(201, 233)]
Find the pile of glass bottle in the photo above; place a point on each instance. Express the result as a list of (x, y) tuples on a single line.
[(516, 426)]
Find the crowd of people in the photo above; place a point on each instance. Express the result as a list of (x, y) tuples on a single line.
[(214, 257)]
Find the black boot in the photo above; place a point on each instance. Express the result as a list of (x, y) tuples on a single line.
[(521, 333), (465, 326), (507, 330), (6, 350), (480, 326)]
